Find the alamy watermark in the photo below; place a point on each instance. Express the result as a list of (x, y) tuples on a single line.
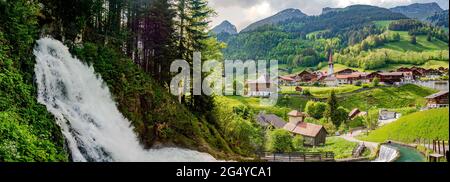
[(242, 78)]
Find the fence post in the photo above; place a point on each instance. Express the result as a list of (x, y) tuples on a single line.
[(439, 147)]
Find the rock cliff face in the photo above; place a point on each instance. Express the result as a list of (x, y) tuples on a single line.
[(225, 27), (417, 10)]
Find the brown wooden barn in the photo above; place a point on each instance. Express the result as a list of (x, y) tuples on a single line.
[(313, 135), (437, 100)]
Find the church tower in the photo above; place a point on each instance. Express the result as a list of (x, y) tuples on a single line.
[(330, 63)]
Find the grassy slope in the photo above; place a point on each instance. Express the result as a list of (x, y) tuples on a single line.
[(341, 148), (422, 44), (281, 109), (387, 97), (431, 124), (321, 92), (380, 97)]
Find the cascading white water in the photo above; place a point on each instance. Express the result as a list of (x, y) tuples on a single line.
[(89, 118), (387, 154)]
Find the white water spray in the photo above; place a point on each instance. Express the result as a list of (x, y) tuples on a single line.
[(387, 154), (89, 118)]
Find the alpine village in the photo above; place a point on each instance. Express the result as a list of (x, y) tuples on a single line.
[(88, 80)]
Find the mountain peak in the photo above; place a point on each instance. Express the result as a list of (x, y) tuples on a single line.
[(225, 27), (277, 18), (418, 10)]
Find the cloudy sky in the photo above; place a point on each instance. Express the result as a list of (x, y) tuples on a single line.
[(243, 12)]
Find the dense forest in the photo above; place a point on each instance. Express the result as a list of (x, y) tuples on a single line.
[(356, 33), (131, 44)]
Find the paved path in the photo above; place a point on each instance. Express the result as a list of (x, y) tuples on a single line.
[(351, 137)]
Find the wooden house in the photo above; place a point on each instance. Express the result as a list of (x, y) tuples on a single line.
[(262, 87), (313, 135), (390, 77), (437, 100), (306, 76)]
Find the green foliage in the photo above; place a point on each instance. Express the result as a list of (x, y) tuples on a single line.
[(297, 143), (279, 140), (413, 39), (341, 116), (341, 148), (315, 109), (376, 82), (431, 124), (18, 21), (27, 131), (331, 109)]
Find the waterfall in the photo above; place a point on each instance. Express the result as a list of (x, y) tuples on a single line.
[(387, 154), (94, 128)]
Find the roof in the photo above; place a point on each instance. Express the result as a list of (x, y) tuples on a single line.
[(354, 112), (296, 113), (262, 79), (271, 120), (353, 75), (305, 129), (391, 74), (437, 95), (286, 78)]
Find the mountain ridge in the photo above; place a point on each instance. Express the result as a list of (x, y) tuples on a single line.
[(418, 10), (281, 16), (225, 27)]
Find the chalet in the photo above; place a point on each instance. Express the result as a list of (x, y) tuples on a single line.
[(270, 120), (390, 77), (347, 71), (262, 87), (349, 78), (313, 135), (432, 74), (306, 76), (415, 72), (286, 80), (354, 113), (437, 100)]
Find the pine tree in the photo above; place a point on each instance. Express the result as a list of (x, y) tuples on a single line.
[(331, 109)]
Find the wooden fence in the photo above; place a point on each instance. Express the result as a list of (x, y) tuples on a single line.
[(297, 157)]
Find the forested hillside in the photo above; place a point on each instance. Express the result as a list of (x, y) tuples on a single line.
[(361, 36)]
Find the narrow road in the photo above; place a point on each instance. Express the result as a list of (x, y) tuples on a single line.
[(351, 137)]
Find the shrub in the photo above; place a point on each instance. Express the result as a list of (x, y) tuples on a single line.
[(279, 140), (358, 83), (365, 86), (315, 109), (306, 92), (376, 82), (297, 143)]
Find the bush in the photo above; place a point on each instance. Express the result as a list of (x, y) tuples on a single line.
[(356, 122), (365, 85), (376, 82), (306, 92), (279, 140), (315, 109), (358, 83), (297, 143)]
